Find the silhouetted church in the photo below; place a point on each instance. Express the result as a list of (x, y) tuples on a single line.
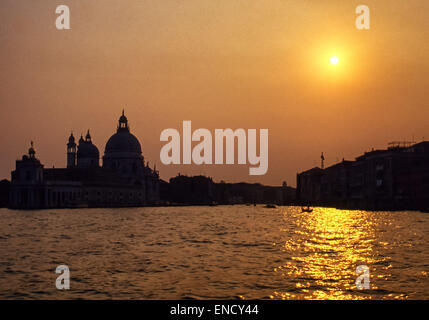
[(123, 179)]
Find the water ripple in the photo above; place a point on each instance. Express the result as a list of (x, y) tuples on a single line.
[(224, 252)]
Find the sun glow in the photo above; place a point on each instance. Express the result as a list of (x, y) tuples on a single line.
[(334, 60), (330, 63)]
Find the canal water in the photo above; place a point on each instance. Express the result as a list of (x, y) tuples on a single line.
[(223, 252)]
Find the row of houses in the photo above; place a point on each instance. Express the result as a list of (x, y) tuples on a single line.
[(180, 190), (201, 190), (391, 179)]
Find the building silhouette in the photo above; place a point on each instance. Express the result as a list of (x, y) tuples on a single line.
[(202, 190), (390, 179), (4, 193), (122, 180)]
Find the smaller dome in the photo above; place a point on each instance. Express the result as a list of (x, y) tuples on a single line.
[(87, 150)]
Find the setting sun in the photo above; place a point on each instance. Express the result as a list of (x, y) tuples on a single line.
[(334, 60)]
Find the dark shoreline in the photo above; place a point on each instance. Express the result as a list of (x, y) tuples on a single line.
[(264, 205)]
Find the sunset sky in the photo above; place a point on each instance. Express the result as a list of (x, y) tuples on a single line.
[(221, 64)]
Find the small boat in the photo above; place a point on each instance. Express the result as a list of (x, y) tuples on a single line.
[(270, 206), (308, 209)]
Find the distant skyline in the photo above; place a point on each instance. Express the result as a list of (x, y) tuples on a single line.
[(221, 64)]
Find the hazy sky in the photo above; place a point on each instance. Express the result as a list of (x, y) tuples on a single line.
[(224, 63)]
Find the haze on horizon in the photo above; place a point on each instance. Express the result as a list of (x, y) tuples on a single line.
[(221, 64)]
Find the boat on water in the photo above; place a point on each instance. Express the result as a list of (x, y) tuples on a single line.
[(270, 206), (308, 209)]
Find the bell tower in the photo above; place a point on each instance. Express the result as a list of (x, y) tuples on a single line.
[(71, 152)]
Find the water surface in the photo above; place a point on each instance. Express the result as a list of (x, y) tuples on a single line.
[(224, 252)]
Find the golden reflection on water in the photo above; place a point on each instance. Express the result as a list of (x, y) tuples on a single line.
[(323, 249), (221, 252)]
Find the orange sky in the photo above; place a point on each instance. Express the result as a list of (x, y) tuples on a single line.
[(238, 64)]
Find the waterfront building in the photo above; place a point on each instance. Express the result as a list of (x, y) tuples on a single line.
[(201, 190), (4, 193), (250, 193), (123, 179), (393, 178)]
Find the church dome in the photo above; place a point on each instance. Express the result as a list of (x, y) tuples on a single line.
[(123, 152), (123, 141), (87, 150)]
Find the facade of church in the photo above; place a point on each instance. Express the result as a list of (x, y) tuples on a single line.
[(123, 180)]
